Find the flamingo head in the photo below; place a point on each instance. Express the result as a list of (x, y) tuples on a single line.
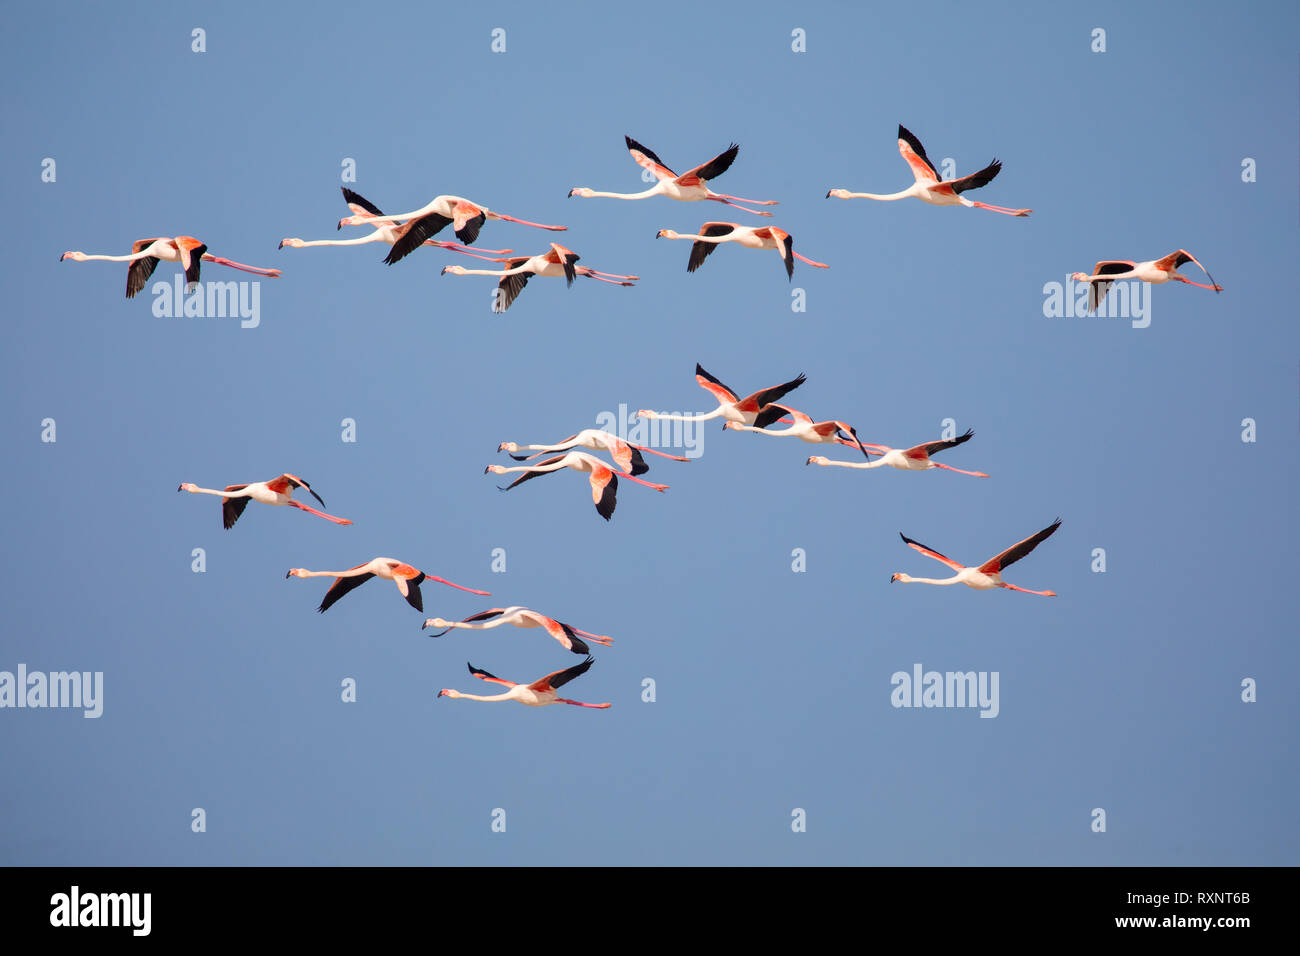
[(582, 191), (434, 622), (728, 426), (447, 692), (1079, 277), (74, 256), (187, 486), (296, 573), (838, 194), (291, 243), (667, 234), (645, 413), (818, 460), (900, 576), (495, 469), (507, 446), (454, 270)]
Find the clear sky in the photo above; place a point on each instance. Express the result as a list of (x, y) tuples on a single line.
[(222, 689)]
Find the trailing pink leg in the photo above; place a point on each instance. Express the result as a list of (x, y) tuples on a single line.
[(303, 507)]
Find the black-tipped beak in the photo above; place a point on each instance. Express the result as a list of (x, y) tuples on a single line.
[(444, 271), (487, 469), (180, 487), (424, 625), (288, 574), (828, 193)]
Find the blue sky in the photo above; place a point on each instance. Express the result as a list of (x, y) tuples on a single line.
[(222, 689)]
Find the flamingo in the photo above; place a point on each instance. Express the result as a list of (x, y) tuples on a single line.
[(627, 456), (916, 458), (147, 253), (929, 188), (804, 428), (691, 186), (522, 617), (1156, 271), (466, 219), (604, 483), (750, 237), (406, 578), (743, 410), (987, 575), (540, 693), (383, 231), (557, 261), (277, 491)]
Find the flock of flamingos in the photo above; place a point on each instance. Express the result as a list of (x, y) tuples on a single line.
[(755, 412)]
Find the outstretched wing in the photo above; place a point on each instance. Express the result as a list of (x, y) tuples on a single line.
[(340, 587), (534, 474), (767, 396), (774, 412), (566, 258), (702, 250), (232, 508), (413, 595), (711, 170), (560, 631), (646, 159), (480, 616), (930, 552), (914, 153), (412, 235), (1182, 257), (360, 205), (723, 394), (976, 180), (930, 448), (604, 491), (484, 675), (510, 286), (468, 220), (1019, 549), (1098, 289), (138, 273), (557, 679)]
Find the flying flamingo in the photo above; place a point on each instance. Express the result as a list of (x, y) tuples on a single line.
[(147, 253), (987, 575), (750, 237), (277, 491), (804, 428), (522, 617), (916, 458), (1156, 271), (743, 410), (557, 261), (929, 188), (691, 186), (625, 455), (388, 232), (465, 218), (406, 578), (539, 693), (604, 483)]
